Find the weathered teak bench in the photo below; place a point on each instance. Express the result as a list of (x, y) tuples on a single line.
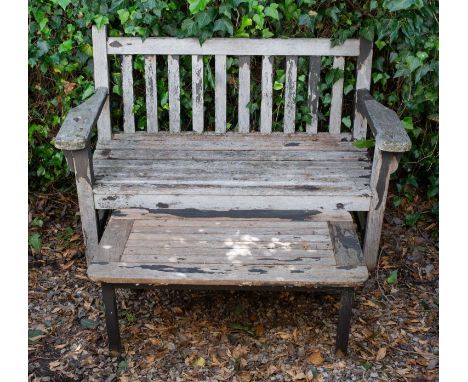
[(230, 210)]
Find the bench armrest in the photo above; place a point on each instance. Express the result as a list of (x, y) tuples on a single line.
[(388, 130), (75, 132)]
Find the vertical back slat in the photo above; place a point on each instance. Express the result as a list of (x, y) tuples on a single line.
[(220, 94), (267, 95), (151, 94), (197, 93), (174, 93), (363, 81), (313, 93), (127, 93), (101, 79), (336, 99), (290, 95), (244, 94)]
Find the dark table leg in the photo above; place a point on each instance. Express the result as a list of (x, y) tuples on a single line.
[(112, 319)]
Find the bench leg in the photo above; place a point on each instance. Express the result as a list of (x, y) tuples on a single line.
[(112, 319), (344, 322), (384, 165)]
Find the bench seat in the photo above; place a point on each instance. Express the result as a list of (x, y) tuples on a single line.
[(231, 249), (231, 171)]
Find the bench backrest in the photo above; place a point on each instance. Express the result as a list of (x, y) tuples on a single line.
[(220, 48)]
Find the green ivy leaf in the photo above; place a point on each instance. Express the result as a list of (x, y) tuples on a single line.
[(197, 5), (393, 277), (101, 20), (88, 92), (65, 46), (37, 222), (398, 5), (272, 11), (412, 219), (203, 19), (408, 123), (63, 3), (34, 241), (223, 25), (124, 15), (278, 85), (266, 33), (380, 44), (346, 121), (190, 27)]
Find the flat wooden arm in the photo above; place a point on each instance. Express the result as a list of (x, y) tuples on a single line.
[(390, 135), (75, 132)]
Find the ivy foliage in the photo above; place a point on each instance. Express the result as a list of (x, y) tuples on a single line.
[(405, 65)]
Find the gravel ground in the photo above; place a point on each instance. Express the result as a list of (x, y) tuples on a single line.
[(231, 336)]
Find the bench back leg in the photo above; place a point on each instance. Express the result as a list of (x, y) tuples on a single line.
[(344, 322), (112, 319), (384, 164)]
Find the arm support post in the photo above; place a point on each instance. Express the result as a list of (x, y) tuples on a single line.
[(384, 164), (391, 140), (74, 139)]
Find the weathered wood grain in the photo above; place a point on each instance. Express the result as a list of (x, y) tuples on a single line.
[(259, 218), (228, 275), (230, 202), (221, 155), (347, 249), (197, 94), (384, 164), (290, 95), (363, 81), (174, 93), (390, 135), (324, 188), (240, 171), (101, 80), (75, 132), (266, 107), (127, 94), (84, 189), (261, 256), (337, 99), (151, 94), (114, 240), (232, 46), (313, 93), (220, 94), (244, 94)]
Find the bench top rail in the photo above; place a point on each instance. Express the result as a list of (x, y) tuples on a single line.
[(244, 49)]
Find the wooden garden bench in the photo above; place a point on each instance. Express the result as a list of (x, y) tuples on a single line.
[(221, 209)]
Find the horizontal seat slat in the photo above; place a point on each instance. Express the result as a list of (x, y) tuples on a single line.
[(230, 155), (230, 202), (181, 189), (232, 46)]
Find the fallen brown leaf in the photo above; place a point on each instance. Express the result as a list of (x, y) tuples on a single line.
[(316, 358), (259, 330), (381, 354)]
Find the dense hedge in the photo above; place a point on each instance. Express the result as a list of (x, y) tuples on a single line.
[(405, 69)]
